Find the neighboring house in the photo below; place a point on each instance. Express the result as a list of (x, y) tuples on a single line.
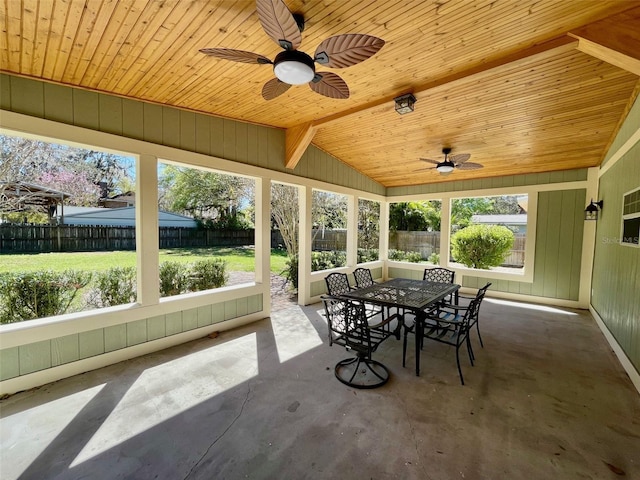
[(119, 217), (127, 199), (517, 223)]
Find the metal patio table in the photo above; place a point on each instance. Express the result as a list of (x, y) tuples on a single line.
[(406, 294)]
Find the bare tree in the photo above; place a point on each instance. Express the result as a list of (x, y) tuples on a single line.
[(285, 214)]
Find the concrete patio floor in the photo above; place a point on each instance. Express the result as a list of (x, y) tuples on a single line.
[(547, 399)]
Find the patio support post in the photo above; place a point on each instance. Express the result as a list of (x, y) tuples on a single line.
[(383, 240), (352, 230), (445, 234), (147, 234), (263, 240), (305, 196)]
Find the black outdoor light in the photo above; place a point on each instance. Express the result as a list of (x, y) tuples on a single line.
[(404, 103), (591, 212)]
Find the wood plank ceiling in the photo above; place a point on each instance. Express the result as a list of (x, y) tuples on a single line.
[(504, 80)]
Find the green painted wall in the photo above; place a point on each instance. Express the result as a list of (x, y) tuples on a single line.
[(195, 132), (37, 356), (560, 226), (616, 268), (559, 231)]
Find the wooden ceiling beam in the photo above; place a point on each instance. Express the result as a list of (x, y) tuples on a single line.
[(296, 141), (615, 40)]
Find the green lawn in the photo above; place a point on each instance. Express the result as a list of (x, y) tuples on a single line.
[(238, 259)]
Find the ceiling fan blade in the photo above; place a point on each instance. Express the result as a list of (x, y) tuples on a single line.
[(274, 88), (330, 85), (236, 55), (428, 160), (460, 158), (278, 22), (348, 49), (468, 166)]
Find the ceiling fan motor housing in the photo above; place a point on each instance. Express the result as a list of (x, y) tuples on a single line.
[(294, 67)]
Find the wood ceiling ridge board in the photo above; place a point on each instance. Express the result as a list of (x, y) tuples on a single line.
[(54, 38), (183, 21), (112, 38), (93, 38), (72, 21), (147, 28), (207, 66), (29, 23), (546, 49), (625, 112), (45, 17)]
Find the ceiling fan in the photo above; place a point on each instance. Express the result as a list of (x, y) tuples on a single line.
[(450, 162), (293, 67)]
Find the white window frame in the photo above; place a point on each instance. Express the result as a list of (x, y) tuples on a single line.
[(628, 216)]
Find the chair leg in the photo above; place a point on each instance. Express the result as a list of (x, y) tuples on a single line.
[(404, 347), (458, 361), (472, 357), (479, 336)]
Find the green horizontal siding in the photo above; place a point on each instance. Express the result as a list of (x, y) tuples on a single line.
[(45, 354), (195, 132)]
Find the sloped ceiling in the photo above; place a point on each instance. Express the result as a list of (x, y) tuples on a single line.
[(522, 86)]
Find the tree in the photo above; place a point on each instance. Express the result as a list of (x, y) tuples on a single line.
[(462, 209), (328, 210), (415, 216), (212, 197), (285, 215), (60, 167), (368, 224), (83, 192)]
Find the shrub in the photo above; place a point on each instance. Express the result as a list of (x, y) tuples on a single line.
[(402, 256), (25, 296), (482, 246), (206, 274), (434, 258), (328, 260), (367, 255), (174, 278), (291, 271), (115, 286)]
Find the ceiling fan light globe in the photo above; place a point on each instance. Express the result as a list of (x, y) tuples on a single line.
[(294, 67), (445, 167)]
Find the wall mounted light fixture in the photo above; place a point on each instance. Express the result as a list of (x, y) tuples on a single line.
[(404, 103), (591, 212)]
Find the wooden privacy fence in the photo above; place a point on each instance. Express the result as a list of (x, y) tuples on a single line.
[(86, 238), (425, 243)]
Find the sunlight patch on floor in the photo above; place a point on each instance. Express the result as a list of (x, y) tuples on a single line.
[(529, 306), (27, 435), (294, 333), (169, 389)]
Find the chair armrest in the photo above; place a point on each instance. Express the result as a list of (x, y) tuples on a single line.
[(386, 321), (452, 306)]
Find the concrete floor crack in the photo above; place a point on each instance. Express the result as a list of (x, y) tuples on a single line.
[(246, 399)]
